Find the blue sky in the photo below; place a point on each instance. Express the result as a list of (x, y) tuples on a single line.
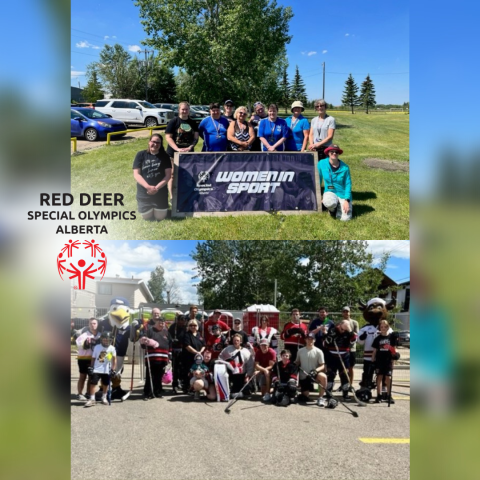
[(139, 258), (349, 36)]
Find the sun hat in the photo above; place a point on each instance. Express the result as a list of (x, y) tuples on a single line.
[(297, 103), (332, 148)]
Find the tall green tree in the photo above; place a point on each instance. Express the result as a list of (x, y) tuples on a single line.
[(161, 85), (298, 90), (158, 285), (350, 94), (367, 94), (235, 274), (285, 89), (93, 90), (224, 46)]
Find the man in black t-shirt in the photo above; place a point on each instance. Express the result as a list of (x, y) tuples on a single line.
[(181, 134), (152, 171)]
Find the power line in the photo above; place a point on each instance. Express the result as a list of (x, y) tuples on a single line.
[(83, 53)]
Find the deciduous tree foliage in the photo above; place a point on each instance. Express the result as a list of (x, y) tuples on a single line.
[(235, 274), (350, 94), (229, 48), (157, 285)]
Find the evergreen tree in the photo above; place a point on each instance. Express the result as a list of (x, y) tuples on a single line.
[(93, 90), (350, 94), (285, 89), (298, 90), (367, 94)]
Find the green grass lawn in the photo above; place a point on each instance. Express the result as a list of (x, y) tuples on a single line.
[(380, 198)]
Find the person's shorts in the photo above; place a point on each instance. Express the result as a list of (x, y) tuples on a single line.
[(153, 202), (204, 380), (261, 379), (383, 369), (100, 376), (306, 384), (353, 359), (83, 365)]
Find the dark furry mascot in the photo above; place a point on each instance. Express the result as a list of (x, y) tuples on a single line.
[(375, 310)]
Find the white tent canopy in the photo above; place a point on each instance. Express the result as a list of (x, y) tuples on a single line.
[(262, 308)]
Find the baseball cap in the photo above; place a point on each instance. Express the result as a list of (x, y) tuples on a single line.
[(311, 335), (228, 101), (264, 341), (217, 311), (346, 308)]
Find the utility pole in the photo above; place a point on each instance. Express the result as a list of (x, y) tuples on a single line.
[(146, 52), (323, 95), (168, 297)]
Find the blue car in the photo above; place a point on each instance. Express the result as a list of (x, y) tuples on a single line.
[(92, 124)]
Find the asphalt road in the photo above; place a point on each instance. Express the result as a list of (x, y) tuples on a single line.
[(177, 438)]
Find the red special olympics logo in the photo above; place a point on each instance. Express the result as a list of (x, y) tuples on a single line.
[(75, 262)]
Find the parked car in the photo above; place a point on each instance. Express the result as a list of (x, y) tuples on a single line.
[(92, 124), (168, 106), (135, 112), (194, 115), (86, 105), (199, 109), (404, 338)]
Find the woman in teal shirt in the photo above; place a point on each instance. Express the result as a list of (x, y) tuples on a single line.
[(337, 197)]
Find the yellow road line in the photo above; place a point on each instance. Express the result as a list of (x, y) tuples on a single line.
[(385, 440)]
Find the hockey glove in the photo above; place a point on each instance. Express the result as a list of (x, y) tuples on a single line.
[(363, 336), (313, 374), (113, 373)]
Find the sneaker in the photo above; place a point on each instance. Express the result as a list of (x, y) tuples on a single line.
[(285, 401), (321, 402), (90, 403), (104, 401), (392, 401), (267, 397), (196, 396), (81, 398), (237, 395), (378, 399)]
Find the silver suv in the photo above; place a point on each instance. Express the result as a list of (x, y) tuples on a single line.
[(138, 112)]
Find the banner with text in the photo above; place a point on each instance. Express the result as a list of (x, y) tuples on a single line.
[(246, 182)]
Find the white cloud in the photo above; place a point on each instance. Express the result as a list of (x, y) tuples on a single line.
[(396, 248), (347, 34), (311, 53), (85, 44), (139, 261), (134, 48), (324, 51), (75, 73), (106, 37)]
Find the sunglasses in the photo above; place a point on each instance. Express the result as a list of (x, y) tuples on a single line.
[(242, 113), (334, 151)]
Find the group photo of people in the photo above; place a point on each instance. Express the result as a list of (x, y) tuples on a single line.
[(237, 130), (203, 357)]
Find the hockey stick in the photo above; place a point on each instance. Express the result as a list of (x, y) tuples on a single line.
[(345, 371), (231, 402), (329, 393), (132, 335), (109, 391)]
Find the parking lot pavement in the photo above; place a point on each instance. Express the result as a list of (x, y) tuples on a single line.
[(177, 438), (84, 145)]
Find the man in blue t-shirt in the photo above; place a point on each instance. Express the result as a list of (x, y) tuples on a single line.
[(213, 130)]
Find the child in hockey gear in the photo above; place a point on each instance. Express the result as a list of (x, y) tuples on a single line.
[(284, 381), (384, 354), (343, 337), (85, 343), (294, 334), (102, 367), (241, 362), (217, 341), (374, 310), (198, 372)]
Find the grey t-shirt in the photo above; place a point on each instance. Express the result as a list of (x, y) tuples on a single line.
[(321, 127), (355, 328)]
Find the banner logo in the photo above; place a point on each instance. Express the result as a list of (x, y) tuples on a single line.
[(74, 259)]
